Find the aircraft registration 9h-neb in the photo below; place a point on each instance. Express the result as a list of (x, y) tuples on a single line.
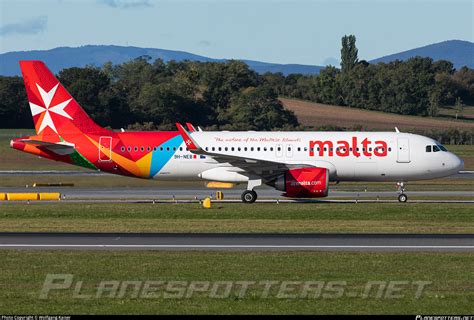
[(301, 164)]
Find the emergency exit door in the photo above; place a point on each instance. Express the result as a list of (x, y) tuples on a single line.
[(105, 149)]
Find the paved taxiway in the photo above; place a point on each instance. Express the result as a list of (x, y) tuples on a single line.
[(162, 193), (239, 242)]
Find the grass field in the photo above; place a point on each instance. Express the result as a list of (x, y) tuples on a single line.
[(450, 112), (336, 217), (314, 115), (450, 288)]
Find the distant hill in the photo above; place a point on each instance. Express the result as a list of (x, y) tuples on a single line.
[(460, 53), (66, 57)]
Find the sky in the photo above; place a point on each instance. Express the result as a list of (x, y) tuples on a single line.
[(299, 31)]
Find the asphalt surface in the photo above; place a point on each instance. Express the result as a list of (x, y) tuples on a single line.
[(167, 193), (239, 242)]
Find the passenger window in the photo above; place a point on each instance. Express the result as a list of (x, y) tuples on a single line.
[(220, 148), (180, 148), (271, 148), (245, 149), (136, 148), (129, 148), (436, 149), (161, 148), (299, 149), (251, 148), (213, 149), (226, 148), (148, 149), (264, 148), (167, 148), (258, 148)]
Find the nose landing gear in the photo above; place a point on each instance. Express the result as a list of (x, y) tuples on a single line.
[(402, 197)]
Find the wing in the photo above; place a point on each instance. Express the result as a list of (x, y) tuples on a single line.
[(251, 166), (60, 148)]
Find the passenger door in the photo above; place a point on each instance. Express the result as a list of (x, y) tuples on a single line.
[(403, 150)]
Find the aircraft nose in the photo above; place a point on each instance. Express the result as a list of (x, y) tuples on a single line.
[(460, 163), (457, 163)]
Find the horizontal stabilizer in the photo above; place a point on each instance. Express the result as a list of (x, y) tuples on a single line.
[(60, 148)]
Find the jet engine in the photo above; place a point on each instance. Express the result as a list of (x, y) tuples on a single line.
[(303, 183)]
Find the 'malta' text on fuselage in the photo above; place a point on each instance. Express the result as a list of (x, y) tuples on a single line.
[(345, 148)]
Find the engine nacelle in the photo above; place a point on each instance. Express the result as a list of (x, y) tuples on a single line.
[(304, 183)]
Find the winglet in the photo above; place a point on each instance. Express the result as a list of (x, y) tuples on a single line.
[(190, 127), (188, 140)]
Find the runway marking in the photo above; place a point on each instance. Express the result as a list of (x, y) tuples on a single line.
[(228, 246)]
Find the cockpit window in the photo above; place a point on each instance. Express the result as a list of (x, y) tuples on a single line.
[(428, 148), (442, 147), (436, 149)]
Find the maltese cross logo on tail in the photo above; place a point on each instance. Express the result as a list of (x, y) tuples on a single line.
[(47, 97)]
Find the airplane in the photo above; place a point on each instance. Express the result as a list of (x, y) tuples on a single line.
[(300, 164)]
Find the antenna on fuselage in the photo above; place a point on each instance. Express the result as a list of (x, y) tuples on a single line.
[(396, 130)]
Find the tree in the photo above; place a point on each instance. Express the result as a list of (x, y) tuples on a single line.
[(348, 53), (86, 85), (14, 110), (458, 106), (257, 109), (433, 107)]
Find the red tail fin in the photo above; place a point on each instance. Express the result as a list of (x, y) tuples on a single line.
[(53, 109)]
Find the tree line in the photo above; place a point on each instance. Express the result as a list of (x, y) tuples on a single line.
[(417, 86), (145, 94)]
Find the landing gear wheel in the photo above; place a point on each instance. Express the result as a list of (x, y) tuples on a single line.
[(249, 196), (402, 197)]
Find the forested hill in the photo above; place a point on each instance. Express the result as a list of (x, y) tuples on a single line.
[(460, 53), (66, 57)]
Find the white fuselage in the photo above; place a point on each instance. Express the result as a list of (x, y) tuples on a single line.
[(349, 156)]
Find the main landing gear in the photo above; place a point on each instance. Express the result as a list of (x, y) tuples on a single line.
[(402, 197), (249, 196)]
